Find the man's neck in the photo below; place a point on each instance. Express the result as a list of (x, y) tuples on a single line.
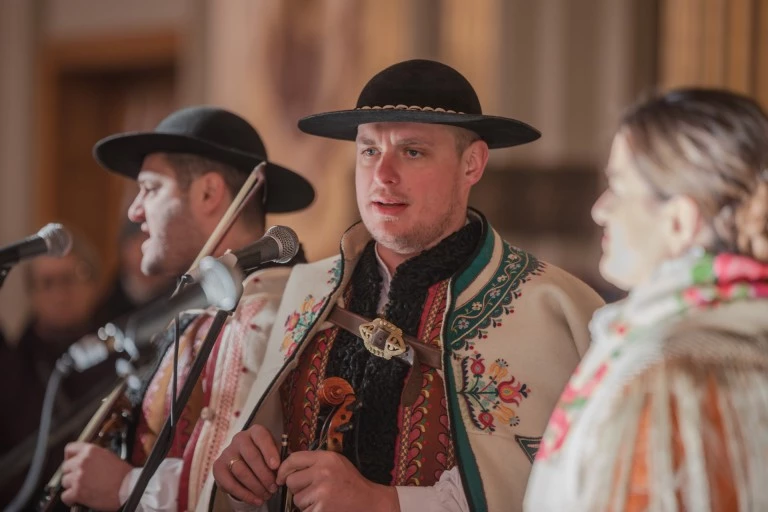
[(393, 259)]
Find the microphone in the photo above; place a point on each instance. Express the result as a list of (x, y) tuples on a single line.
[(279, 244), (218, 286), (53, 239)]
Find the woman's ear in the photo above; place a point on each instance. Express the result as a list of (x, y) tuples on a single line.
[(681, 224)]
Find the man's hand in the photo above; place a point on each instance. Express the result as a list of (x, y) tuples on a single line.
[(246, 468), (92, 476), (326, 481)]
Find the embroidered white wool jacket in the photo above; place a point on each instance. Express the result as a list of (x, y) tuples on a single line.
[(514, 328), (229, 374)]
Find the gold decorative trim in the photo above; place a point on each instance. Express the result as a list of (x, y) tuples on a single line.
[(412, 107)]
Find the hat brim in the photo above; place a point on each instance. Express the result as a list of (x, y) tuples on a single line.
[(287, 191), (497, 132)]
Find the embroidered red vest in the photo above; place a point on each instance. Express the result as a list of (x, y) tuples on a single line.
[(423, 448)]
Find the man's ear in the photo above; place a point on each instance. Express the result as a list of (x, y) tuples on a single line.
[(208, 193), (475, 158), (682, 224)]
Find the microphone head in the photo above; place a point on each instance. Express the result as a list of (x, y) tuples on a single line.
[(56, 238), (287, 242), (222, 285)]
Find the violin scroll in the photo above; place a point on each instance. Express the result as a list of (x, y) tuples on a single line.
[(337, 392)]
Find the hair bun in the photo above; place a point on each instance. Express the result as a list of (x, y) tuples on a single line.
[(752, 221)]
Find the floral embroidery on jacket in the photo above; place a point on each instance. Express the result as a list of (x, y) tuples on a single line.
[(298, 323), (488, 397), (472, 320), (334, 272)]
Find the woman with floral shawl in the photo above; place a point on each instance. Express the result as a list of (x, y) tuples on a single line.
[(668, 410)]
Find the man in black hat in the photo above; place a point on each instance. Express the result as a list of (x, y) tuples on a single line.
[(189, 170), (455, 344)]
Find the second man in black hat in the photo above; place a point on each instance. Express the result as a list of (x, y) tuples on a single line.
[(189, 170)]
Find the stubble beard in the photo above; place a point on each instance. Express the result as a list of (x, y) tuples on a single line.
[(420, 238), (172, 253)]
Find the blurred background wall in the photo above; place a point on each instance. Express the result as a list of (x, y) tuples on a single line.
[(74, 71)]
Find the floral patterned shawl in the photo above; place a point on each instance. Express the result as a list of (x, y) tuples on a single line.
[(586, 458)]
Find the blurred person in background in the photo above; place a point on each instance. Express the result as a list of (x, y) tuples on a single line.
[(669, 408), (63, 295), (189, 170)]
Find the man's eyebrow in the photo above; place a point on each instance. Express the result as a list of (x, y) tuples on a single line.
[(146, 177), (414, 142)]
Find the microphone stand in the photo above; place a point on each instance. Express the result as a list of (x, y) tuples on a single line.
[(164, 439)]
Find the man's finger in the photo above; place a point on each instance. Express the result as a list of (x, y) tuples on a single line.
[(68, 497), (254, 460), (231, 486), (266, 445), (66, 480), (296, 462), (72, 449), (299, 480), (68, 465), (243, 474), (305, 499)]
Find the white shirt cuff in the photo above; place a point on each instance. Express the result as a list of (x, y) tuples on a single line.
[(447, 495), (162, 492)]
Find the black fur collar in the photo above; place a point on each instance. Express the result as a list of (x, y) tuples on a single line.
[(376, 381)]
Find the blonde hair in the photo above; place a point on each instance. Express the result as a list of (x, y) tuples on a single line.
[(712, 146)]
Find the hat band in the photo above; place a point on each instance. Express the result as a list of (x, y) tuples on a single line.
[(412, 107)]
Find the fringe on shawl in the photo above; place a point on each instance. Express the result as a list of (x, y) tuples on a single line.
[(694, 461)]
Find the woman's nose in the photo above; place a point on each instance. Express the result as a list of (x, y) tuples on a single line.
[(599, 209)]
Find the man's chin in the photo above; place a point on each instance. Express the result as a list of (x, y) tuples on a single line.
[(152, 267), (398, 244)]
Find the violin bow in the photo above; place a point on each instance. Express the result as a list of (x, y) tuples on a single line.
[(253, 183)]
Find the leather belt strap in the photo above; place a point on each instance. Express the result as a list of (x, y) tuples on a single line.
[(427, 354), (377, 333)]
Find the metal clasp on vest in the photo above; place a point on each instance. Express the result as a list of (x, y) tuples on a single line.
[(382, 338)]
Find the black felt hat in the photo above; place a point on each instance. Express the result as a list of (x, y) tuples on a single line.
[(420, 91), (213, 133)]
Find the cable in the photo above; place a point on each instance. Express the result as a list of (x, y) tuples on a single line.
[(38, 459)]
